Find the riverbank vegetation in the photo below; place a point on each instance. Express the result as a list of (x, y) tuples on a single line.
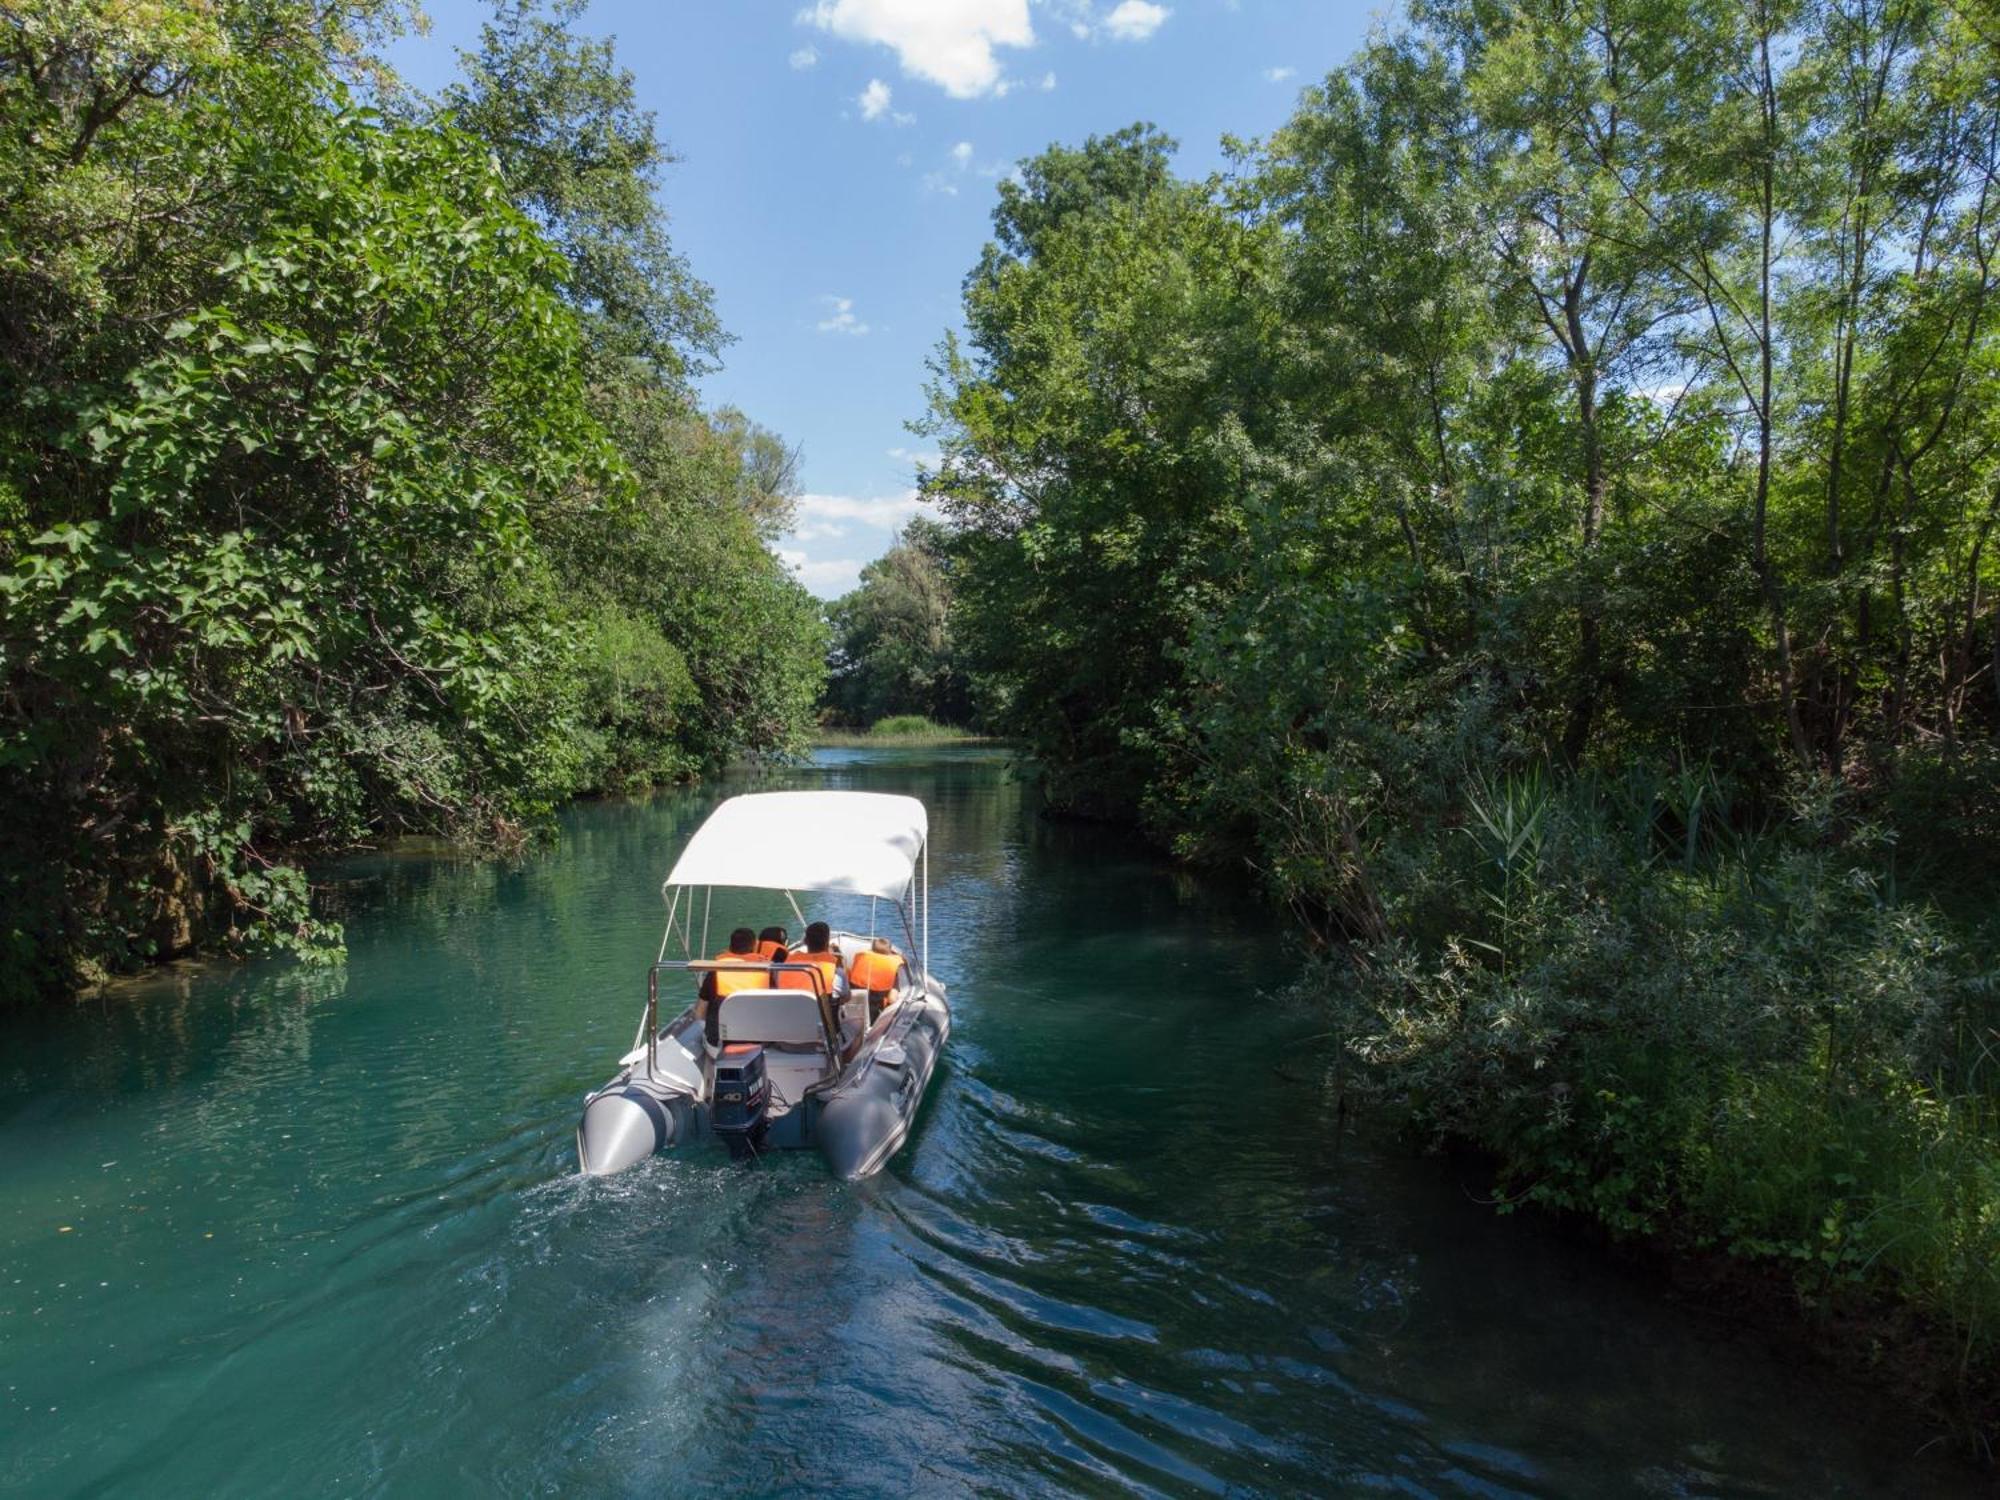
[(892, 654), (352, 476), (1538, 509), (902, 729)]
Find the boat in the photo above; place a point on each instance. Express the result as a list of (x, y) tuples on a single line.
[(794, 1060)]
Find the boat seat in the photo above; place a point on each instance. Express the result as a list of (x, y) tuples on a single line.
[(787, 1019)]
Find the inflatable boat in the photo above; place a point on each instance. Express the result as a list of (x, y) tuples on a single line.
[(830, 1050)]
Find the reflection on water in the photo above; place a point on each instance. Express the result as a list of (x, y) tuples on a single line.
[(265, 1229)]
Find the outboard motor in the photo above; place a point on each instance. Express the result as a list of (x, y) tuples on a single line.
[(741, 1098)]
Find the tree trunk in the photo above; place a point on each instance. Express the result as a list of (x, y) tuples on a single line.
[(1767, 573), (1590, 614)]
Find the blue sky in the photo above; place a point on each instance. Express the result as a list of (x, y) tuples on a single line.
[(837, 175)]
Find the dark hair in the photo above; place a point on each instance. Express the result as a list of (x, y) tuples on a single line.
[(742, 940), (781, 956), (818, 934), (772, 935)]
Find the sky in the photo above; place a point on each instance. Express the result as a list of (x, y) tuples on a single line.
[(836, 176)]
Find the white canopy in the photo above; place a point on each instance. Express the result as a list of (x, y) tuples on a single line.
[(862, 843)]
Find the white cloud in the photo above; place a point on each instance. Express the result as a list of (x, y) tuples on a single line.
[(842, 319), (1135, 20), (845, 519), (1279, 75), (1664, 394), (886, 511), (817, 531), (962, 154), (874, 100), (946, 42), (827, 577), (1046, 83), (917, 458), (900, 119), (802, 59), (937, 182)]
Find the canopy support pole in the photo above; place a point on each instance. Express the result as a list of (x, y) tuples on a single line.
[(927, 915), (906, 910), (797, 913), (667, 936), (707, 901)]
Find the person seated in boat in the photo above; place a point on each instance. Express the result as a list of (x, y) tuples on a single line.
[(875, 970), (817, 950), (785, 979), (744, 970), (771, 941)]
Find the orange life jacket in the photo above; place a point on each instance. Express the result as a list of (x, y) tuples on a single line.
[(766, 948), (874, 971), (828, 965), (743, 973), (785, 979)]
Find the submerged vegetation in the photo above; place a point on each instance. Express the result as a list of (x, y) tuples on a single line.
[(352, 480), (1538, 511)]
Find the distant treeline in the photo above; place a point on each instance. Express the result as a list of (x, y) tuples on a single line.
[(893, 654), (1538, 509), (352, 480)]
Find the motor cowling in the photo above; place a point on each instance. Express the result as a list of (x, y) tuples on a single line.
[(740, 1099)]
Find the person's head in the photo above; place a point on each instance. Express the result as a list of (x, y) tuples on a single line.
[(772, 935), (818, 936), (742, 940), (779, 955), (883, 945)]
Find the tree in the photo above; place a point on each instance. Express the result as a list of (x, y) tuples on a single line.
[(893, 651), (704, 647), (1566, 99), (1114, 346), (769, 466), (286, 582), (583, 160), (336, 501)]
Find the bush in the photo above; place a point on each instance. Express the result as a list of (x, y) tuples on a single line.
[(1743, 1042), (911, 727)]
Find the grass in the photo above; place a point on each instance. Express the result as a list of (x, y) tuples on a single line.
[(901, 729)]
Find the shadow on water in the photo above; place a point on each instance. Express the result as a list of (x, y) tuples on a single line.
[(265, 1229)]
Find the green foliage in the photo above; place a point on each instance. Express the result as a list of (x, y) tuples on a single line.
[(1744, 1041), (893, 651), (910, 727), (1086, 442), (309, 441), (688, 555), (582, 160), (1538, 511)]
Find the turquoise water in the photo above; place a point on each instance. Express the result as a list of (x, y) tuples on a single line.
[(265, 1230)]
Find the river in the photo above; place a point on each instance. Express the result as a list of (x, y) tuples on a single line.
[(267, 1229)]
